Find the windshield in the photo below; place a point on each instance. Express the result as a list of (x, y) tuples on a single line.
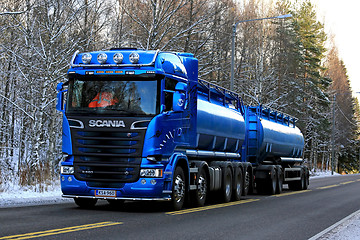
[(130, 97)]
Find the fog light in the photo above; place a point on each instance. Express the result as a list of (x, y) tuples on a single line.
[(62, 178), (143, 181), (150, 172), (69, 178), (153, 181), (67, 170)]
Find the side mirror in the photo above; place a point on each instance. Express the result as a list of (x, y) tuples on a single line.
[(59, 86), (60, 97), (60, 101), (179, 98)]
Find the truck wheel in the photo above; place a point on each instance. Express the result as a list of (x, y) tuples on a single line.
[(238, 184), (85, 202), (272, 183), (279, 180), (178, 189), (200, 194), (247, 182), (227, 185), (298, 184)]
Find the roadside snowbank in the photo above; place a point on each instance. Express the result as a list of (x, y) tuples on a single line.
[(346, 229), (17, 196)]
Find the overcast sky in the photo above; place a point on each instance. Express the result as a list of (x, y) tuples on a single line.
[(343, 20)]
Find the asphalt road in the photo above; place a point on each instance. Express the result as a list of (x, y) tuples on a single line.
[(290, 215)]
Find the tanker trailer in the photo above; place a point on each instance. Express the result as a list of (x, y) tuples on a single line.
[(141, 125)]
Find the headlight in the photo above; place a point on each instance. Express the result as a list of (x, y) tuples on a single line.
[(67, 170), (154, 173), (102, 57), (86, 58)]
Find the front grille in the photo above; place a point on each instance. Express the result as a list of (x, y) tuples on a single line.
[(105, 143), (107, 169), (107, 155)]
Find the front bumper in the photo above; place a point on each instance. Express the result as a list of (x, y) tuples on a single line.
[(143, 189)]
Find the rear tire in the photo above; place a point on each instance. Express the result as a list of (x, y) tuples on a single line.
[(238, 184), (272, 183), (247, 183), (279, 180), (298, 184), (178, 189), (85, 202), (227, 185), (200, 194)]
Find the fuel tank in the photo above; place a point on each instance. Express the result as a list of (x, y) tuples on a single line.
[(219, 127)]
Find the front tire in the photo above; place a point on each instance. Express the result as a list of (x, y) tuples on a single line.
[(178, 189)]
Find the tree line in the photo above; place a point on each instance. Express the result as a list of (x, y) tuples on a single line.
[(282, 64)]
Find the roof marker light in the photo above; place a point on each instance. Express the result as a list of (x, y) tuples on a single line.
[(102, 57), (134, 57), (118, 58), (86, 58)]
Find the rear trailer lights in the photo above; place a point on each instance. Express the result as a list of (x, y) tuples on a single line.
[(66, 170), (152, 173)]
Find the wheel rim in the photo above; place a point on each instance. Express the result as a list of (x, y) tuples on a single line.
[(202, 187), (247, 180), (238, 186), (228, 185), (274, 182), (179, 188)]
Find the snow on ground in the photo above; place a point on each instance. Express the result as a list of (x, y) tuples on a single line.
[(322, 174), (348, 229), (16, 196)]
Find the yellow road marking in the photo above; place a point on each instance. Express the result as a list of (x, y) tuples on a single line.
[(291, 193), (199, 209), (61, 230), (331, 186), (347, 182)]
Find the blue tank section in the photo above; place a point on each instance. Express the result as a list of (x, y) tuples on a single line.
[(271, 135), (219, 128), (280, 140)]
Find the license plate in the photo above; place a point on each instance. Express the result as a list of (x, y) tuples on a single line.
[(105, 193)]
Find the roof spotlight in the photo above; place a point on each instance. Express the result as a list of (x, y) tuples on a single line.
[(118, 58), (134, 57), (102, 57), (86, 58)]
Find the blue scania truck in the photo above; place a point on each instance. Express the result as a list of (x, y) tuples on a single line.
[(141, 125)]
